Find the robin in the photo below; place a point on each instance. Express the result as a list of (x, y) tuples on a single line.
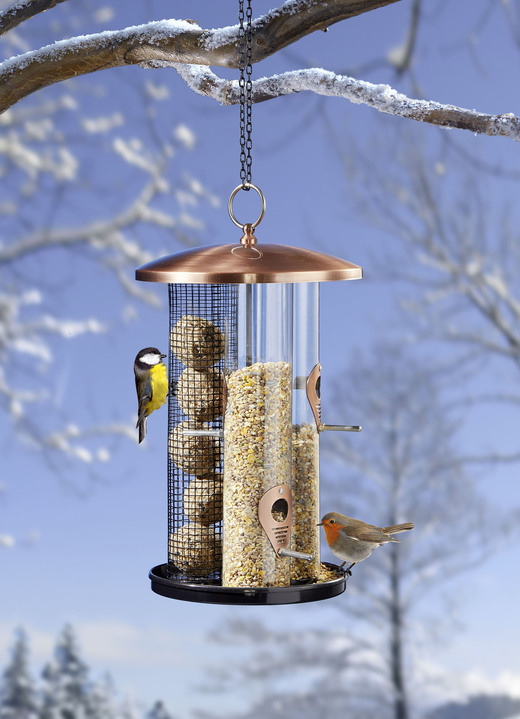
[(353, 540)]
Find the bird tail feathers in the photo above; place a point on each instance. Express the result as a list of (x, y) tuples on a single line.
[(396, 528), (142, 429)]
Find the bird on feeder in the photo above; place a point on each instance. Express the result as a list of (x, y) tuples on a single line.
[(353, 540), (151, 383)]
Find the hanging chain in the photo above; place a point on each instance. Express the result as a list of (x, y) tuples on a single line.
[(245, 85), (245, 39)]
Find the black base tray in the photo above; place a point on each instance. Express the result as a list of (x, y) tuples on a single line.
[(217, 594)]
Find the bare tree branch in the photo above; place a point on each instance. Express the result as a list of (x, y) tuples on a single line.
[(19, 12), (401, 57)]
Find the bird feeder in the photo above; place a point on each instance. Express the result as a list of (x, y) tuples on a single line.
[(244, 421)]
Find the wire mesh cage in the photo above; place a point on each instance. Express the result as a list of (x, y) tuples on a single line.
[(203, 344)]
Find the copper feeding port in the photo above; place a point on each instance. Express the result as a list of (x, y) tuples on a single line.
[(312, 385), (277, 504)]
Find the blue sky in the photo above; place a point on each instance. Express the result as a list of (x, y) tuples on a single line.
[(95, 544)]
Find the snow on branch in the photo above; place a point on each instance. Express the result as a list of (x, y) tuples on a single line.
[(191, 50), (102, 234), (381, 97), (68, 441), (169, 41), (23, 10)]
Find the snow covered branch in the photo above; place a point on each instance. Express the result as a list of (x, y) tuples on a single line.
[(68, 441), (169, 41), (103, 234), (191, 50), (23, 10), (381, 97)]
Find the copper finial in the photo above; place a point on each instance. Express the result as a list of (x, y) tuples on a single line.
[(248, 239)]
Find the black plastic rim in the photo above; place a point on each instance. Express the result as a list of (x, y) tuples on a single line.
[(216, 594)]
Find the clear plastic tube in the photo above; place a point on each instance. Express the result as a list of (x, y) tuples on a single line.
[(305, 437), (257, 434)]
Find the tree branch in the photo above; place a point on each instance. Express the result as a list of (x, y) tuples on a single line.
[(21, 11), (401, 57), (381, 97), (170, 41), (91, 234), (184, 45)]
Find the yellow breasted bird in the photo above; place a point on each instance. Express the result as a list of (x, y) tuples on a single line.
[(151, 383), (353, 540)]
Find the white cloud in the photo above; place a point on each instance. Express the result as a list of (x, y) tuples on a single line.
[(135, 646), (476, 681), (41, 643), (444, 684), (108, 643)]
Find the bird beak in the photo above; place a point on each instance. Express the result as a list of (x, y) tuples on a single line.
[(163, 356), (320, 524)]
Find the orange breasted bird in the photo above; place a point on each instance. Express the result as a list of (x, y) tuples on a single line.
[(151, 383), (353, 540)]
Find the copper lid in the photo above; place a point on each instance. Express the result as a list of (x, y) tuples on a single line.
[(242, 264)]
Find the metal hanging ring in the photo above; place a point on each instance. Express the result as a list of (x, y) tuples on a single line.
[(246, 186)]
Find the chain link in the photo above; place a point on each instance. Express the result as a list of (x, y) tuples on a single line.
[(245, 84)]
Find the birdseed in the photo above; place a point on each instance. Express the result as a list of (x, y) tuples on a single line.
[(257, 457), (328, 574), (306, 498)]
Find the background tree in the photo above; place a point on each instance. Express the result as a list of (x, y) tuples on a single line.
[(103, 700), (45, 173), (67, 691), (44, 169), (405, 466), (18, 696), (159, 711), (456, 252), (64, 213)]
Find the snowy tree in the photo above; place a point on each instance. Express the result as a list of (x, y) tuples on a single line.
[(18, 697), (159, 711), (67, 692), (102, 701), (130, 709)]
